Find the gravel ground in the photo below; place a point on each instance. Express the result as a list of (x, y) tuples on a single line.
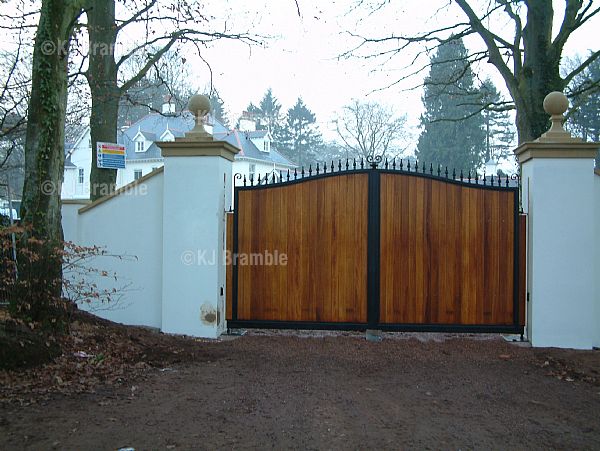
[(326, 390)]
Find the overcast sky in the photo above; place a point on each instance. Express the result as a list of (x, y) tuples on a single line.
[(301, 58)]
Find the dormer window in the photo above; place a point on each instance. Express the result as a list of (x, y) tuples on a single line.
[(140, 146)]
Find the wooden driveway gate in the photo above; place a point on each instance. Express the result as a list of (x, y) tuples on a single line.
[(355, 246)]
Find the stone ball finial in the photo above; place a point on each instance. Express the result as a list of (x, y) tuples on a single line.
[(199, 105), (556, 103)]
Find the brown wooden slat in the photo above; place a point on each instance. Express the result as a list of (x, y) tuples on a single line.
[(447, 253), (228, 268), (321, 225)]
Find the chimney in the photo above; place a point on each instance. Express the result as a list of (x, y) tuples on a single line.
[(168, 106), (247, 122)]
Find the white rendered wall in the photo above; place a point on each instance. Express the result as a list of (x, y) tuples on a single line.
[(558, 195), (596, 205), (128, 224), (197, 194)]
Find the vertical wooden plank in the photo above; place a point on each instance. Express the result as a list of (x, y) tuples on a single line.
[(229, 268)]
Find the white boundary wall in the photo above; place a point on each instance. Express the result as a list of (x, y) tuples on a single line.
[(596, 244), (127, 225)]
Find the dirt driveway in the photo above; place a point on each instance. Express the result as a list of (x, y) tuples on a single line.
[(330, 392)]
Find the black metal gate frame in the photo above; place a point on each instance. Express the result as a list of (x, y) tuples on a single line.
[(274, 180)]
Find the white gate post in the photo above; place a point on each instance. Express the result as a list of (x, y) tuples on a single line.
[(197, 193), (557, 176)]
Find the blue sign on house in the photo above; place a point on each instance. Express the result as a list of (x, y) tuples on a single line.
[(110, 155)]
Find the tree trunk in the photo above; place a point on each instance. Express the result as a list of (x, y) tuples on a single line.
[(44, 159), (102, 78), (540, 72)]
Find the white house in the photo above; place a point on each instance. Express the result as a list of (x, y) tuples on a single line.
[(256, 157)]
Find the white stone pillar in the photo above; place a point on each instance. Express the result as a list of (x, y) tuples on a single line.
[(557, 176), (197, 192)]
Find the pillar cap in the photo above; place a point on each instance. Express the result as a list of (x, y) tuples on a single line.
[(556, 104)]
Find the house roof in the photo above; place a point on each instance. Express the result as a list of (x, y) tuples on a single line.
[(154, 125)]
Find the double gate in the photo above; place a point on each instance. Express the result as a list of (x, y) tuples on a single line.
[(355, 246)]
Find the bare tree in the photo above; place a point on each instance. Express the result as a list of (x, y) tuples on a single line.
[(166, 24), (369, 128), (524, 53)]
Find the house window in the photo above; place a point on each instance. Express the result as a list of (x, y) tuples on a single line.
[(81, 174), (137, 174), (251, 171), (139, 146)]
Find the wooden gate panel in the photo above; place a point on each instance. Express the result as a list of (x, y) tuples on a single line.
[(447, 253), (321, 226)]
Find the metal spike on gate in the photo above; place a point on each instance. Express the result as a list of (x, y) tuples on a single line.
[(332, 166), (461, 175), (484, 177), (401, 164), (288, 175), (317, 168), (296, 172), (394, 163), (347, 164), (507, 180), (302, 172), (354, 164), (417, 166), (423, 168), (310, 169), (386, 162), (492, 179), (339, 165), (280, 176), (469, 176), (244, 180), (362, 163), (325, 168), (476, 178), (408, 166), (431, 168), (439, 171), (453, 173), (274, 177), (446, 171)]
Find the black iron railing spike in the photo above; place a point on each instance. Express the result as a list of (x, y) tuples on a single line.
[(453, 173), (244, 180), (423, 167), (362, 163), (507, 180), (296, 172), (339, 165), (386, 163), (347, 164), (325, 168), (332, 166), (310, 169), (469, 176), (280, 176), (354, 164), (408, 166), (274, 177), (492, 180), (417, 166), (484, 177), (461, 175), (401, 164), (288, 175), (431, 168), (394, 163), (476, 178), (302, 173), (439, 171), (446, 172), (318, 169)]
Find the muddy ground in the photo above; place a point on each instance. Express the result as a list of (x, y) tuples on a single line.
[(301, 391)]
